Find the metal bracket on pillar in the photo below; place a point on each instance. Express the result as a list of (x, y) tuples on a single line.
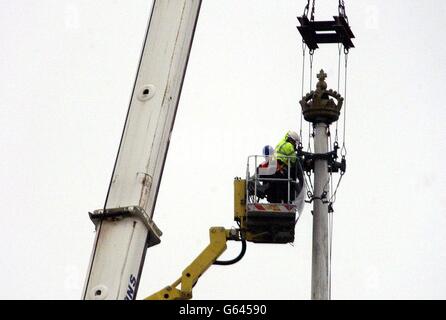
[(114, 214), (308, 158)]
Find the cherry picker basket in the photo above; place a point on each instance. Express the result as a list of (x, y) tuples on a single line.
[(269, 213)]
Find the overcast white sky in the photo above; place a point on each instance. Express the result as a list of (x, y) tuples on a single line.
[(66, 73)]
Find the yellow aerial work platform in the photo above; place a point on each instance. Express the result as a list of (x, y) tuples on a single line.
[(258, 221)]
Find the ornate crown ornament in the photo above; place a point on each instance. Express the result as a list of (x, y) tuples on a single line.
[(317, 105)]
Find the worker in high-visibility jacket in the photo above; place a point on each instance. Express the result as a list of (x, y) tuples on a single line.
[(285, 154), (286, 149)]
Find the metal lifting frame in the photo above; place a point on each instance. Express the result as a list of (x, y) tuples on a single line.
[(317, 32)]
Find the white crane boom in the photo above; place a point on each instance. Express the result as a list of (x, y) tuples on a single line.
[(124, 228)]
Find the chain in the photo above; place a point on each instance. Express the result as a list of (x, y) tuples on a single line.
[(341, 9), (307, 7), (312, 11)]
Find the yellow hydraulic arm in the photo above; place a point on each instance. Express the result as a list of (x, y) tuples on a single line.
[(218, 238), (271, 225)]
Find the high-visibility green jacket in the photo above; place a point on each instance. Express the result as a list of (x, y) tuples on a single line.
[(285, 149)]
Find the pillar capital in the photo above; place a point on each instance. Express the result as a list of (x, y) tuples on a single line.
[(318, 105)]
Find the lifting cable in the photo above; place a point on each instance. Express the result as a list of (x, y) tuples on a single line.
[(341, 8), (311, 53), (311, 84), (330, 237), (344, 149), (339, 82), (304, 47), (308, 183), (330, 212), (308, 173)]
